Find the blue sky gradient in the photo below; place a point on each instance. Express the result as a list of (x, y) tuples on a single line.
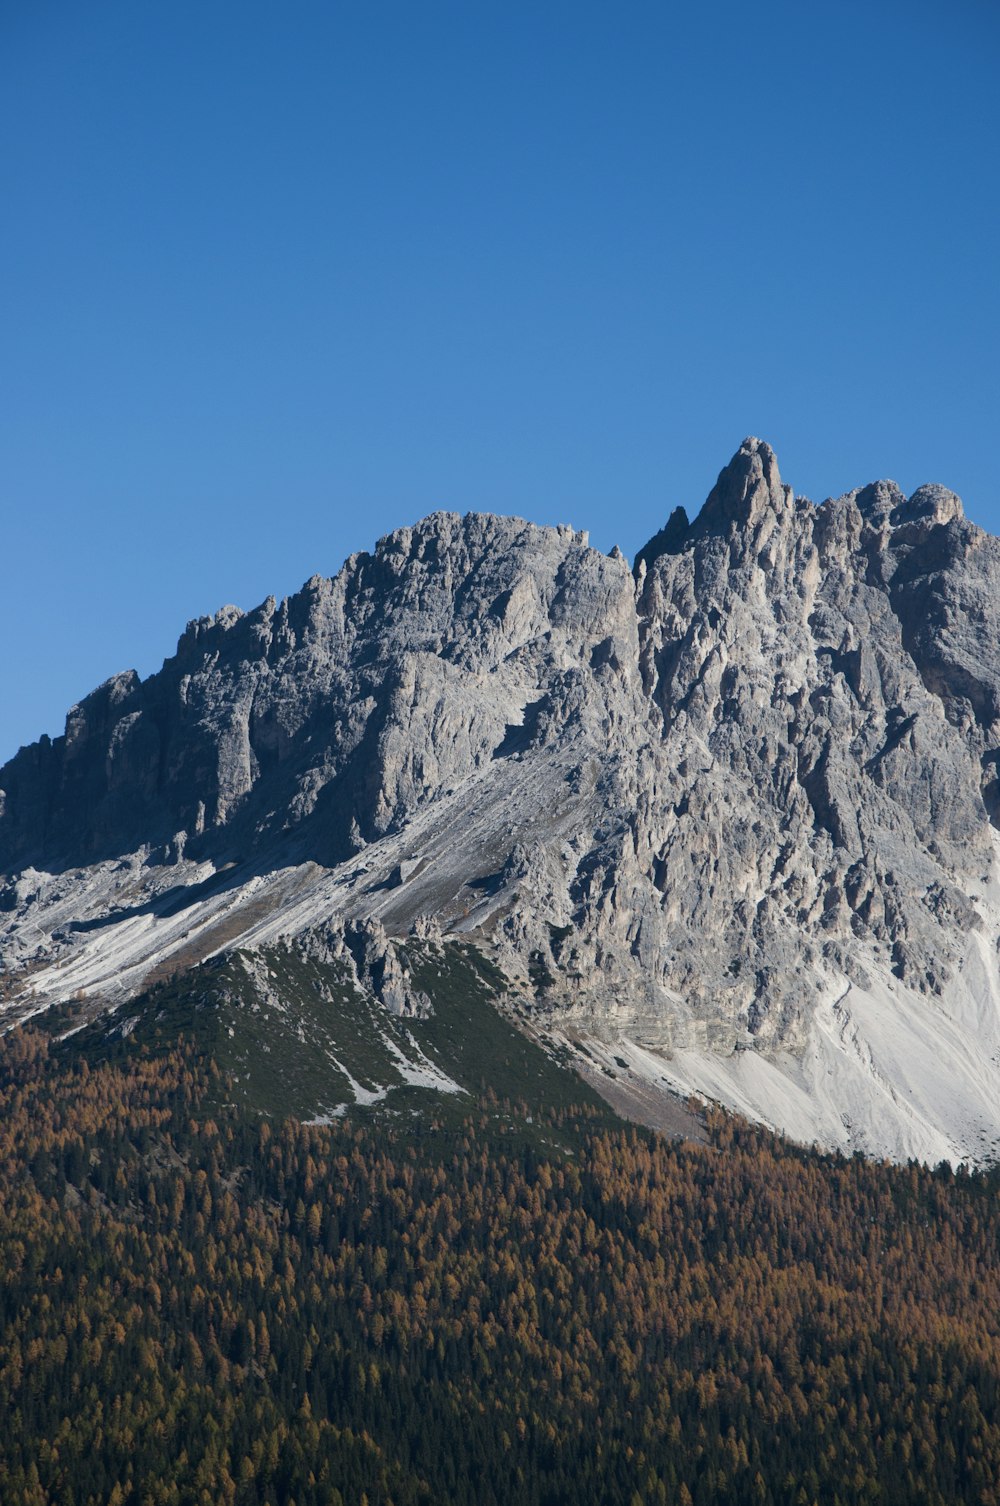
[(276, 279)]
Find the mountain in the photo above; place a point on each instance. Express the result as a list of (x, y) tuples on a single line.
[(721, 824)]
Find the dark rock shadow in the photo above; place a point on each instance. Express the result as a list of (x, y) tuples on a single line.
[(171, 902)]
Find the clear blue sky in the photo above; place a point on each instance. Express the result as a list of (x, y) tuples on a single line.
[(275, 279)]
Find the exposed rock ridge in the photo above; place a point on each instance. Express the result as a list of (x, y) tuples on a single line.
[(323, 719)]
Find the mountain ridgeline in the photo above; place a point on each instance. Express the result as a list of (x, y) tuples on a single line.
[(727, 815)]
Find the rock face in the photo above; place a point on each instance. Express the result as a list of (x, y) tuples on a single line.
[(319, 725), (736, 807)]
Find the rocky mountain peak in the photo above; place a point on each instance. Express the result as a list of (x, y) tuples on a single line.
[(748, 486), (737, 810)]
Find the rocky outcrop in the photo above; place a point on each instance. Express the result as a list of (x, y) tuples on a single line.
[(373, 963), (696, 802)]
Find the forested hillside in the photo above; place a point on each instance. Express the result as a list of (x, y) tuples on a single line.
[(203, 1305)]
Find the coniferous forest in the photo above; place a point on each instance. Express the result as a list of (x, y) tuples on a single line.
[(203, 1305)]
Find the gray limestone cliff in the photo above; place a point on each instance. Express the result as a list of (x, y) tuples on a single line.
[(697, 803), (320, 723)]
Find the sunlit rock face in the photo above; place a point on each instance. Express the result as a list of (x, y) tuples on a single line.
[(734, 806)]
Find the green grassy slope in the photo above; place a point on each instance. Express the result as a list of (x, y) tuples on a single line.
[(295, 1036)]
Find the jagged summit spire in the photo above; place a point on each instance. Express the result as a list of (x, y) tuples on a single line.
[(748, 485)]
